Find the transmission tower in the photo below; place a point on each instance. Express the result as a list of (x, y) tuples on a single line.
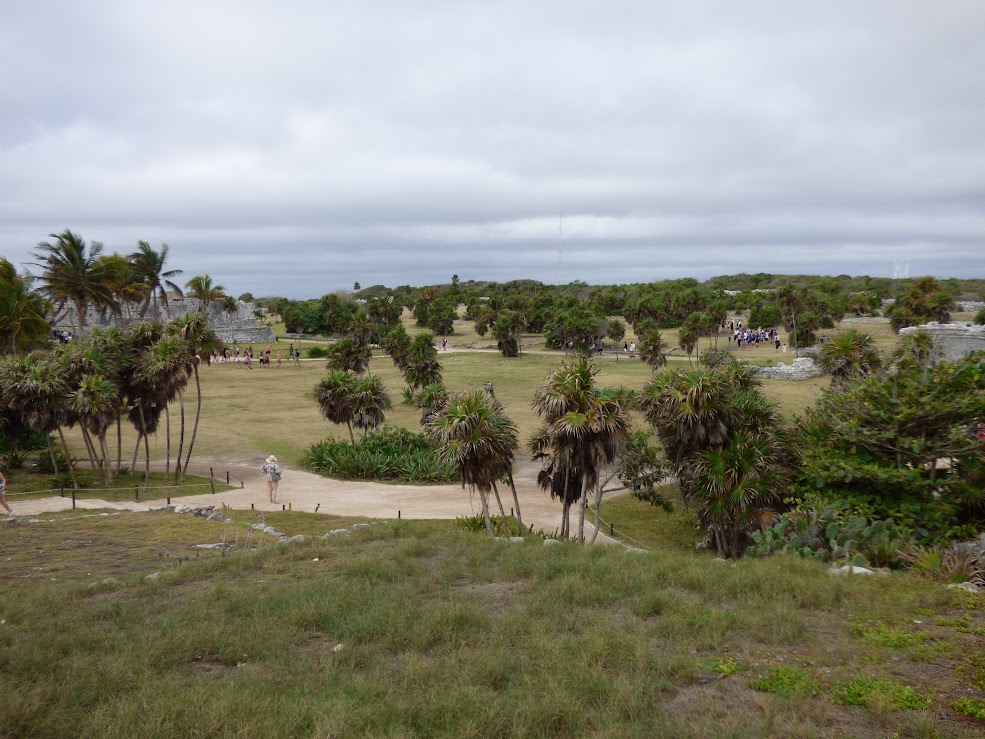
[(901, 269)]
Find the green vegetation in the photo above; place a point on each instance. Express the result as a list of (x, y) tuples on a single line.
[(387, 454), (461, 635)]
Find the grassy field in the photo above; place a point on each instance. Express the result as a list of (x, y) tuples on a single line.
[(27, 485), (421, 629)]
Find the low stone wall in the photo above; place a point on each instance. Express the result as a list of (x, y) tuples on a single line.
[(246, 334), (970, 306), (955, 339), (802, 368)]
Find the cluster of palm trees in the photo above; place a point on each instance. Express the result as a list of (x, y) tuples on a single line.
[(103, 377), (72, 273)]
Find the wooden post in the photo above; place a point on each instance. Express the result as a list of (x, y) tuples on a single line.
[(136, 492), (73, 499), (212, 485), (283, 507), (251, 506), (610, 530), (63, 491), (169, 500), (227, 477), (211, 474), (398, 515)]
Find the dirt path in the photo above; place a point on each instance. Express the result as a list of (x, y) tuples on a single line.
[(305, 491)]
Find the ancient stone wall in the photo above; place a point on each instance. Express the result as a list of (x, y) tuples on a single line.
[(246, 334), (802, 368), (955, 339)]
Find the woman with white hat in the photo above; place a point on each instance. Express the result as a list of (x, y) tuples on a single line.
[(272, 470)]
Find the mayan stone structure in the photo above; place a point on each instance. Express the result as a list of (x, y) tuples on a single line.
[(955, 339), (235, 326)]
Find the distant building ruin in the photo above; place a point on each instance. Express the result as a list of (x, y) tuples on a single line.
[(956, 340), (238, 326)]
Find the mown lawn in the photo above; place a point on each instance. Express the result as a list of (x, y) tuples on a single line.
[(419, 628)]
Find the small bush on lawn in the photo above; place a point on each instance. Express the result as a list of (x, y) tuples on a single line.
[(973, 707), (387, 454), (786, 681), (866, 692), (316, 352)]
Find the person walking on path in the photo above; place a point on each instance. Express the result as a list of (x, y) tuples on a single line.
[(278, 359), (272, 470), (3, 492), (297, 356)]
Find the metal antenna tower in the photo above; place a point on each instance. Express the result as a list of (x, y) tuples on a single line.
[(560, 234), (901, 269)]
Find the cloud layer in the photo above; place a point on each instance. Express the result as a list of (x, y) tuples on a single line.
[(295, 149)]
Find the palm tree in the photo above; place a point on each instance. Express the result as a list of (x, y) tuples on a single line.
[(787, 297), (474, 432), (423, 368), (119, 276), (36, 389), (652, 348), (396, 342), (22, 311), (148, 267), (95, 402), (349, 355), (362, 328), (334, 397), (69, 273), (585, 428), (369, 401), (193, 329), (201, 287), (850, 355)]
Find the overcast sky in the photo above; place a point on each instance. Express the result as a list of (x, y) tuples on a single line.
[(292, 148)]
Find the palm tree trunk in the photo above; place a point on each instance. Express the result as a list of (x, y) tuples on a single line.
[(109, 467), (119, 441), (198, 413), (136, 450), (68, 458), (178, 467), (598, 513), (484, 499), (90, 447), (502, 511), (146, 462), (516, 502), (351, 437), (51, 452), (581, 508), (167, 443)]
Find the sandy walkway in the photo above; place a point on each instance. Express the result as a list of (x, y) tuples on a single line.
[(305, 491)]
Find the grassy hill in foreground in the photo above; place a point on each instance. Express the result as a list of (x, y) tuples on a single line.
[(420, 628)]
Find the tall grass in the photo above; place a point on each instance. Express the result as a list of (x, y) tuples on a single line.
[(389, 453), (417, 628)]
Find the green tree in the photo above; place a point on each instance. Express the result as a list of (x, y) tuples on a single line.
[(584, 428), (69, 274), (473, 431), (22, 311), (725, 445), (369, 403), (850, 355), (201, 287), (148, 268), (423, 368), (349, 355), (334, 397), (651, 346), (926, 299), (615, 330)]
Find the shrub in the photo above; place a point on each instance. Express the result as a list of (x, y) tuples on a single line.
[(316, 352), (387, 454), (828, 536), (973, 707), (787, 681), (866, 691)]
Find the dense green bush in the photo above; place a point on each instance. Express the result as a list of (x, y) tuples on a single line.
[(316, 352), (388, 454), (828, 536)]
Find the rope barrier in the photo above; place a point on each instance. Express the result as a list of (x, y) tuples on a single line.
[(620, 533)]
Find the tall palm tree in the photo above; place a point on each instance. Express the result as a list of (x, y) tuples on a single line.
[(69, 273), (585, 428), (396, 342), (349, 355), (423, 367), (474, 432), (369, 401), (193, 329), (790, 301), (119, 276), (22, 310), (148, 266), (334, 397), (850, 355), (95, 401), (201, 287), (652, 347)]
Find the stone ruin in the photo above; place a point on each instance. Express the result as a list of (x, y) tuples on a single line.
[(238, 326), (956, 340), (802, 368)]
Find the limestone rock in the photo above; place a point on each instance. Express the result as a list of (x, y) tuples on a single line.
[(969, 587)]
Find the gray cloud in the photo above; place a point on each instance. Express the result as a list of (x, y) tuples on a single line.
[(298, 149)]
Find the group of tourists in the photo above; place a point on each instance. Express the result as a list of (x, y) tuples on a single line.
[(265, 357), (747, 337)]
